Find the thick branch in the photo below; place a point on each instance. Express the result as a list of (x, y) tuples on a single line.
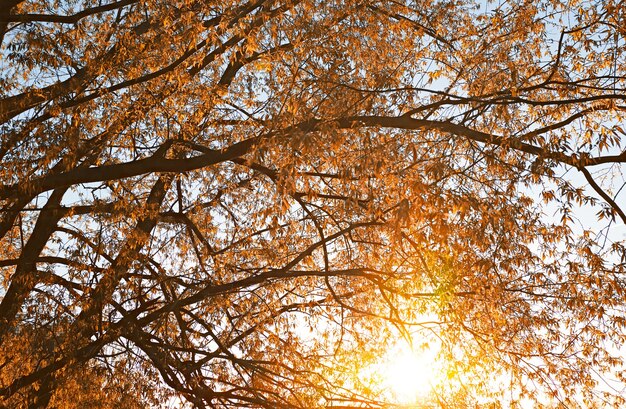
[(23, 280)]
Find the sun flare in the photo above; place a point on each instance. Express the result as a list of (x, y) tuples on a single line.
[(410, 374)]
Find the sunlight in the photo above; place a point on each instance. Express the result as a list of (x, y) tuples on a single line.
[(410, 374)]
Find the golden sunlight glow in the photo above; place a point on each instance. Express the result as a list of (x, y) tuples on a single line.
[(410, 374)]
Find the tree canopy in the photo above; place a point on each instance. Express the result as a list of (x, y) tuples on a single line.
[(229, 204)]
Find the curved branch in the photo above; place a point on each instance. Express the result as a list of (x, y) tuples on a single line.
[(602, 193), (72, 19)]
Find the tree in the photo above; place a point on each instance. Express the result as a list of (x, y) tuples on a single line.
[(250, 198)]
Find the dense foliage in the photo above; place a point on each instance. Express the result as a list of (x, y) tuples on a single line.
[(244, 203)]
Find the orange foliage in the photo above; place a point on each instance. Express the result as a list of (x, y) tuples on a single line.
[(239, 203)]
